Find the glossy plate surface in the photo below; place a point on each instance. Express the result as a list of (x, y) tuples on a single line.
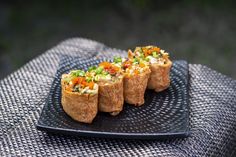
[(164, 115)]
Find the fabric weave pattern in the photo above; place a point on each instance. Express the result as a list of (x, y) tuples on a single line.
[(23, 93)]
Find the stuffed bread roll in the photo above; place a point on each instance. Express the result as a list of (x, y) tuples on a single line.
[(79, 96), (136, 74), (160, 66), (110, 80)]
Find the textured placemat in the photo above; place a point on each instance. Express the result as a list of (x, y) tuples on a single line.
[(23, 94)]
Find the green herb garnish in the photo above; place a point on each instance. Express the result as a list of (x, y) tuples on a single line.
[(88, 79), (136, 60), (117, 59), (68, 79), (78, 73), (104, 72), (147, 59), (99, 70), (154, 54), (141, 55), (96, 78), (91, 68)]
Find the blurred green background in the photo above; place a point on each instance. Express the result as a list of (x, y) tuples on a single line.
[(202, 32)]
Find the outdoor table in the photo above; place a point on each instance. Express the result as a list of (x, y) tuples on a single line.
[(23, 93)]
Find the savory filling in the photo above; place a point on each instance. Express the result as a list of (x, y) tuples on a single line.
[(136, 63), (131, 66), (151, 54), (118, 61), (76, 81), (106, 72)]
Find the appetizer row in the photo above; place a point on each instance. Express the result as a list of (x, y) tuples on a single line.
[(105, 87)]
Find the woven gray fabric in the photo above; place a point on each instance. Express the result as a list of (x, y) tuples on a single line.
[(23, 94)]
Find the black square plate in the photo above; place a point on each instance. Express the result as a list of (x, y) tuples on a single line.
[(164, 115)]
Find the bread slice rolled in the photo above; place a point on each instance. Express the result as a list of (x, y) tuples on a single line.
[(78, 98), (110, 80), (135, 86), (159, 64), (159, 79), (111, 97), (80, 107)]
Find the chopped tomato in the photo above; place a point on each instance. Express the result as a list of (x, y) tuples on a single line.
[(90, 85), (157, 49), (106, 65), (83, 82), (80, 80), (126, 64), (149, 52), (146, 53), (110, 68), (116, 68), (112, 71), (75, 81)]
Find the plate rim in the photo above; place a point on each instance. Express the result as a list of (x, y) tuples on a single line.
[(105, 134)]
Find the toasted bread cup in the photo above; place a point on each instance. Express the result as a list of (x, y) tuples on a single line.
[(110, 80), (159, 79), (159, 64), (135, 86), (79, 105), (111, 97)]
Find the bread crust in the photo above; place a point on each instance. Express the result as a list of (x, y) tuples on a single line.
[(135, 86), (159, 79), (80, 107), (110, 97)]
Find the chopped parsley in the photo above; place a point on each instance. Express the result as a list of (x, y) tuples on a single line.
[(117, 59), (88, 79), (91, 68), (99, 70), (78, 73), (154, 54), (136, 60)]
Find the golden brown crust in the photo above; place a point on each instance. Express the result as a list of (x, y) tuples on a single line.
[(80, 107), (134, 88), (159, 79), (111, 97)]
